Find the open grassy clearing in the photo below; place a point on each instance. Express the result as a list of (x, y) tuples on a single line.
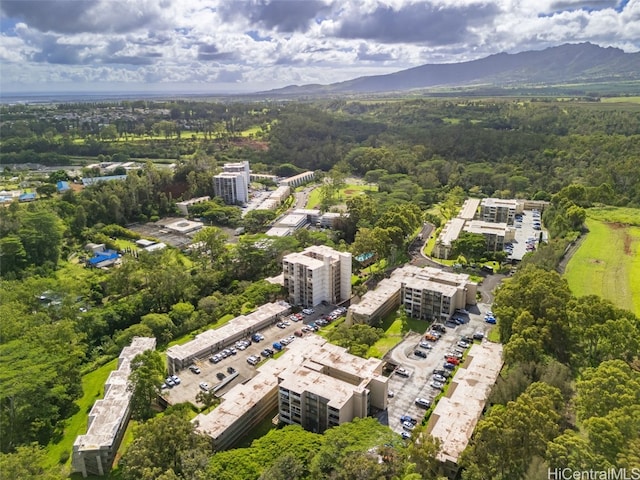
[(344, 194), (395, 327), (607, 263), (620, 100), (93, 388)]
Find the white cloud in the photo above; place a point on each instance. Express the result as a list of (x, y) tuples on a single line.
[(276, 42)]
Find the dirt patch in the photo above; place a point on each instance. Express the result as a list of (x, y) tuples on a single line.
[(595, 260), (616, 225), (627, 243), (349, 191)]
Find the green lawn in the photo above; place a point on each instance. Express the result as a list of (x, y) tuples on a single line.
[(93, 388), (608, 261), (395, 329), (620, 100), (344, 194)]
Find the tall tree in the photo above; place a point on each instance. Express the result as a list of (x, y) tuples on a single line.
[(147, 375)]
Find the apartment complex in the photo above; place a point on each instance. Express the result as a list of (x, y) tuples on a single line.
[(232, 185), (344, 386), (491, 217), (297, 180), (317, 274), (93, 452), (425, 293)]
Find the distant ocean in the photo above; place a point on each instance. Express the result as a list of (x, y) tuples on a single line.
[(69, 97)]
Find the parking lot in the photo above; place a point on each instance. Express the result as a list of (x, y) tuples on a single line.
[(189, 387), (417, 385), (528, 230)]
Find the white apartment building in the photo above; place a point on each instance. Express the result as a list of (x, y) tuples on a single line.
[(94, 452), (498, 210), (317, 274), (495, 234), (232, 185)]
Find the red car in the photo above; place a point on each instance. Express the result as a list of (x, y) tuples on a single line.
[(453, 360)]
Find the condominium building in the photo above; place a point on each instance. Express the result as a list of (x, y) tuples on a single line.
[(317, 274), (498, 210), (425, 293), (456, 415), (352, 385), (94, 452), (297, 180), (495, 234), (329, 388), (232, 185), (432, 294)]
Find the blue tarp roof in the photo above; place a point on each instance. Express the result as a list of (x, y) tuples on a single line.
[(62, 186), (363, 257), (103, 256), (27, 196)]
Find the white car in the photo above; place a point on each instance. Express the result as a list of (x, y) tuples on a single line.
[(423, 402), (204, 386), (437, 385)]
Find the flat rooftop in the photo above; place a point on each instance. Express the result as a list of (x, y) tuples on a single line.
[(305, 379), (455, 417), (451, 231), (279, 231), (499, 202), (482, 227), (107, 415), (184, 226), (292, 220), (374, 299), (301, 258), (211, 337), (469, 208)]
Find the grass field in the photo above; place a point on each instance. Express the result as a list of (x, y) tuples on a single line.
[(395, 328), (608, 261), (620, 100), (345, 193), (93, 388)]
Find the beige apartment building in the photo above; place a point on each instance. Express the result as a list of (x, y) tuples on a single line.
[(317, 274)]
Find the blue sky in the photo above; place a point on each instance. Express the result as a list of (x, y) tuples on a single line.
[(252, 45)]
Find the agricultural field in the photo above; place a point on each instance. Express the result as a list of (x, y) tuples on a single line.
[(608, 261)]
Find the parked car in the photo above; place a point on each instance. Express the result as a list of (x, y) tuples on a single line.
[(427, 345), (405, 435), (478, 336), (231, 370), (265, 353), (391, 394), (407, 418), (449, 366), (215, 359), (194, 369), (455, 354), (420, 353), (253, 360), (463, 344), (423, 402), (204, 386), (281, 325), (169, 382), (439, 371), (439, 378), (453, 360), (408, 425), (490, 320), (439, 328), (278, 346), (176, 379), (220, 376), (431, 338), (402, 372), (436, 385)]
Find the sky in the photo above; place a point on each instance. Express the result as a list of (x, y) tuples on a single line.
[(236, 46)]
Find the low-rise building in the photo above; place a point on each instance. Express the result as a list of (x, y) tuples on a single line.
[(449, 234), (297, 180), (183, 206), (94, 452), (317, 274), (495, 234), (455, 416), (206, 343)]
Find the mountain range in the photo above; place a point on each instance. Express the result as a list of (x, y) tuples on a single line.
[(568, 63)]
